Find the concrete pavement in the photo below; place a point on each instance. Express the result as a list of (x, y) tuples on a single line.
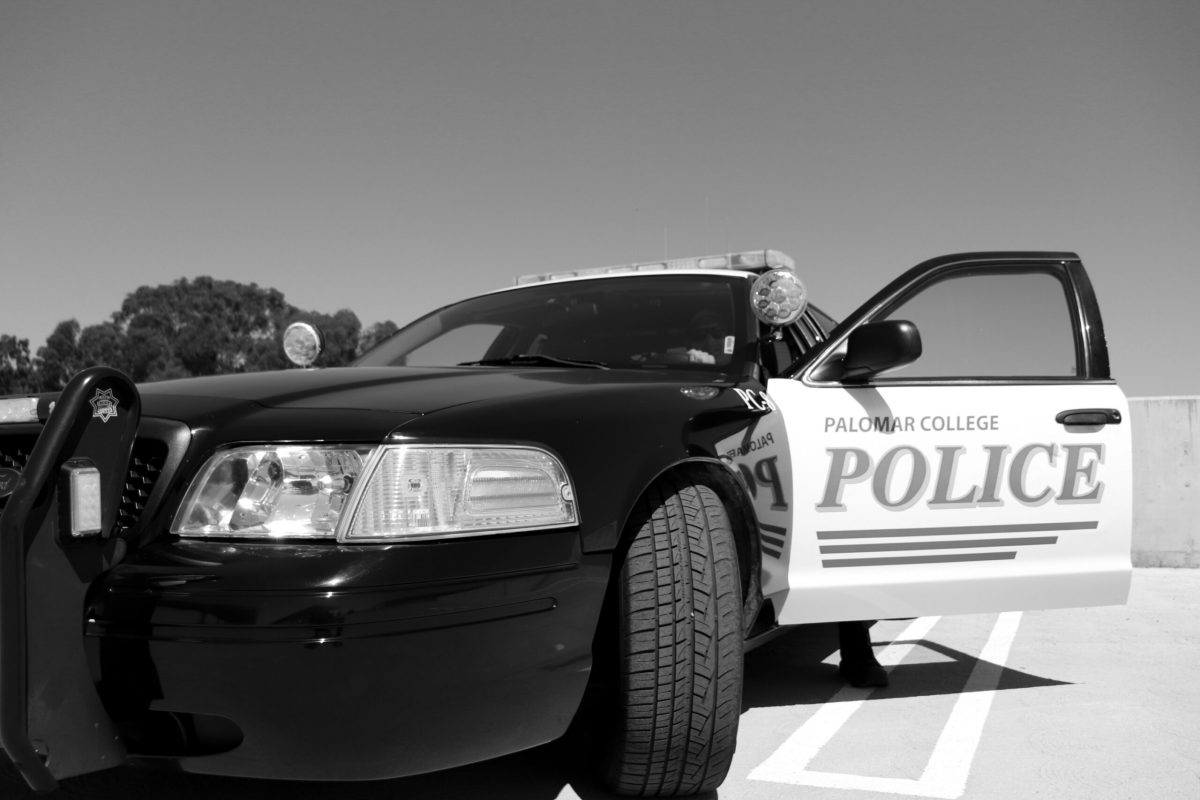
[(1070, 704)]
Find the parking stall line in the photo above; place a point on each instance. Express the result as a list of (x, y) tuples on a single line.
[(788, 764), (950, 764), (946, 772)]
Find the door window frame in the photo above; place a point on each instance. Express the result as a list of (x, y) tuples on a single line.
[(1091, 350)]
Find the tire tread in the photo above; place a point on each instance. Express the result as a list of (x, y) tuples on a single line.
[(681, 650)]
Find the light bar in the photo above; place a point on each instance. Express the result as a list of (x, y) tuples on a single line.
[(18, 409), (750, 261)]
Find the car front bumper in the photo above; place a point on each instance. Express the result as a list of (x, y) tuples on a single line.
[(327, 662)]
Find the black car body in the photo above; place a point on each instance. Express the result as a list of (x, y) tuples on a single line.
[(624, 436)]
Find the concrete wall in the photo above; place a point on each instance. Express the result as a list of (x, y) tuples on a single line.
[(1166, 481)]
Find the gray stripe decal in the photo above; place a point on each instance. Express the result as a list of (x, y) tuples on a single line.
[(941, 559), (884, 547), (772, 539), (959, 530)]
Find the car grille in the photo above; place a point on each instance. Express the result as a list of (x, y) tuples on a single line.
[(145, 468), (15, 450)]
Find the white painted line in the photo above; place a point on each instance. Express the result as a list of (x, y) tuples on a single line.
[(788, 763), (950, 764), (945, 774)]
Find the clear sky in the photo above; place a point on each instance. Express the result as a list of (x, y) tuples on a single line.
[(389, 156)]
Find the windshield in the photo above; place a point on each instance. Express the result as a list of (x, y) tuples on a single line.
[(644, 322)]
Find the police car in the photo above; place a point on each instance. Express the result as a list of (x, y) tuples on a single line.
[(593, 483)]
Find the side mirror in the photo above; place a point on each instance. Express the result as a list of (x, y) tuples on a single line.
[(879, 346)]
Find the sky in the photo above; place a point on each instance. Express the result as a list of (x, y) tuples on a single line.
[(391, 156)]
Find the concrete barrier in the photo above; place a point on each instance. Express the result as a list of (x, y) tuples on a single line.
[(1166, 481)]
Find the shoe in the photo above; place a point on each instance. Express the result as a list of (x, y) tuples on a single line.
[(861, 674)]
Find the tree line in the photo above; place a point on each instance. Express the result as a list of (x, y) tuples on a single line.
[(186, 328)]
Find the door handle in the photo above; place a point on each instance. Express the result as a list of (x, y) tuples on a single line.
[(1089, 416)]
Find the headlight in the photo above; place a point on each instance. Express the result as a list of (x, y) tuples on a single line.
[(272, 491), (424, 492), (366, 494)]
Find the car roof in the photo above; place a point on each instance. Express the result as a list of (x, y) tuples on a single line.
[(567, 278)]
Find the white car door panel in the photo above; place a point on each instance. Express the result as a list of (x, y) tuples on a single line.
[(910, 501), (992, 473)]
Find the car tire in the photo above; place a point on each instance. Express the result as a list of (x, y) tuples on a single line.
[(680, 630)]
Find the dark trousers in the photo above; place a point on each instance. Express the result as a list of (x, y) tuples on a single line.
[(854, 639)]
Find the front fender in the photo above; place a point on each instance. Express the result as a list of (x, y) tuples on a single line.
[(617, 438)]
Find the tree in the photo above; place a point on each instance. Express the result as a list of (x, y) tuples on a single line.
[(375, 334), (148, 351), (59, 358), (201, 327), (190, 327), (102, 344), (16, 365)]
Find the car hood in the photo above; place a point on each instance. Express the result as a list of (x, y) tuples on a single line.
[(400, 390)]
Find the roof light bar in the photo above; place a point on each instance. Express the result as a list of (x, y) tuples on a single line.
[(750, 260), (18, 409)]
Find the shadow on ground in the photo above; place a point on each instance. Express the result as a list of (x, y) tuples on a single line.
[(789, 671)]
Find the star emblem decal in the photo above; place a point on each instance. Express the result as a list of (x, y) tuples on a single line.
[(104, 405)]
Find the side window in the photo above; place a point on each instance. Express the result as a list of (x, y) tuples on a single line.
[(999, 325), (465, 343)]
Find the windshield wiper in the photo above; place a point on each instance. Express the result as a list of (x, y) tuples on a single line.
[(535, 359)]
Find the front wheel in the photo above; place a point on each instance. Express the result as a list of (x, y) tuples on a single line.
[(680, 647)]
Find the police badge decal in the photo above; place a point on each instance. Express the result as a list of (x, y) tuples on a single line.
[(104, 405)]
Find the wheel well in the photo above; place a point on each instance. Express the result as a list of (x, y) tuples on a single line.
[(741, 518), (745, 533)]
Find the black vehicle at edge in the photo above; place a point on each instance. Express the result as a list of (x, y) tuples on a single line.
[(328, 657)]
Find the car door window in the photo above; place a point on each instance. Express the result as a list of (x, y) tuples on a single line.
[(1001, 325)]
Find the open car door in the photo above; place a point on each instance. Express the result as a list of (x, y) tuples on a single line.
[(992, 472), (55, 540)]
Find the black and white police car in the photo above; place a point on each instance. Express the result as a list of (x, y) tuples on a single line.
[(614, 479)]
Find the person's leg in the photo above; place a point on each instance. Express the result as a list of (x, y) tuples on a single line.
[(859, 666)]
